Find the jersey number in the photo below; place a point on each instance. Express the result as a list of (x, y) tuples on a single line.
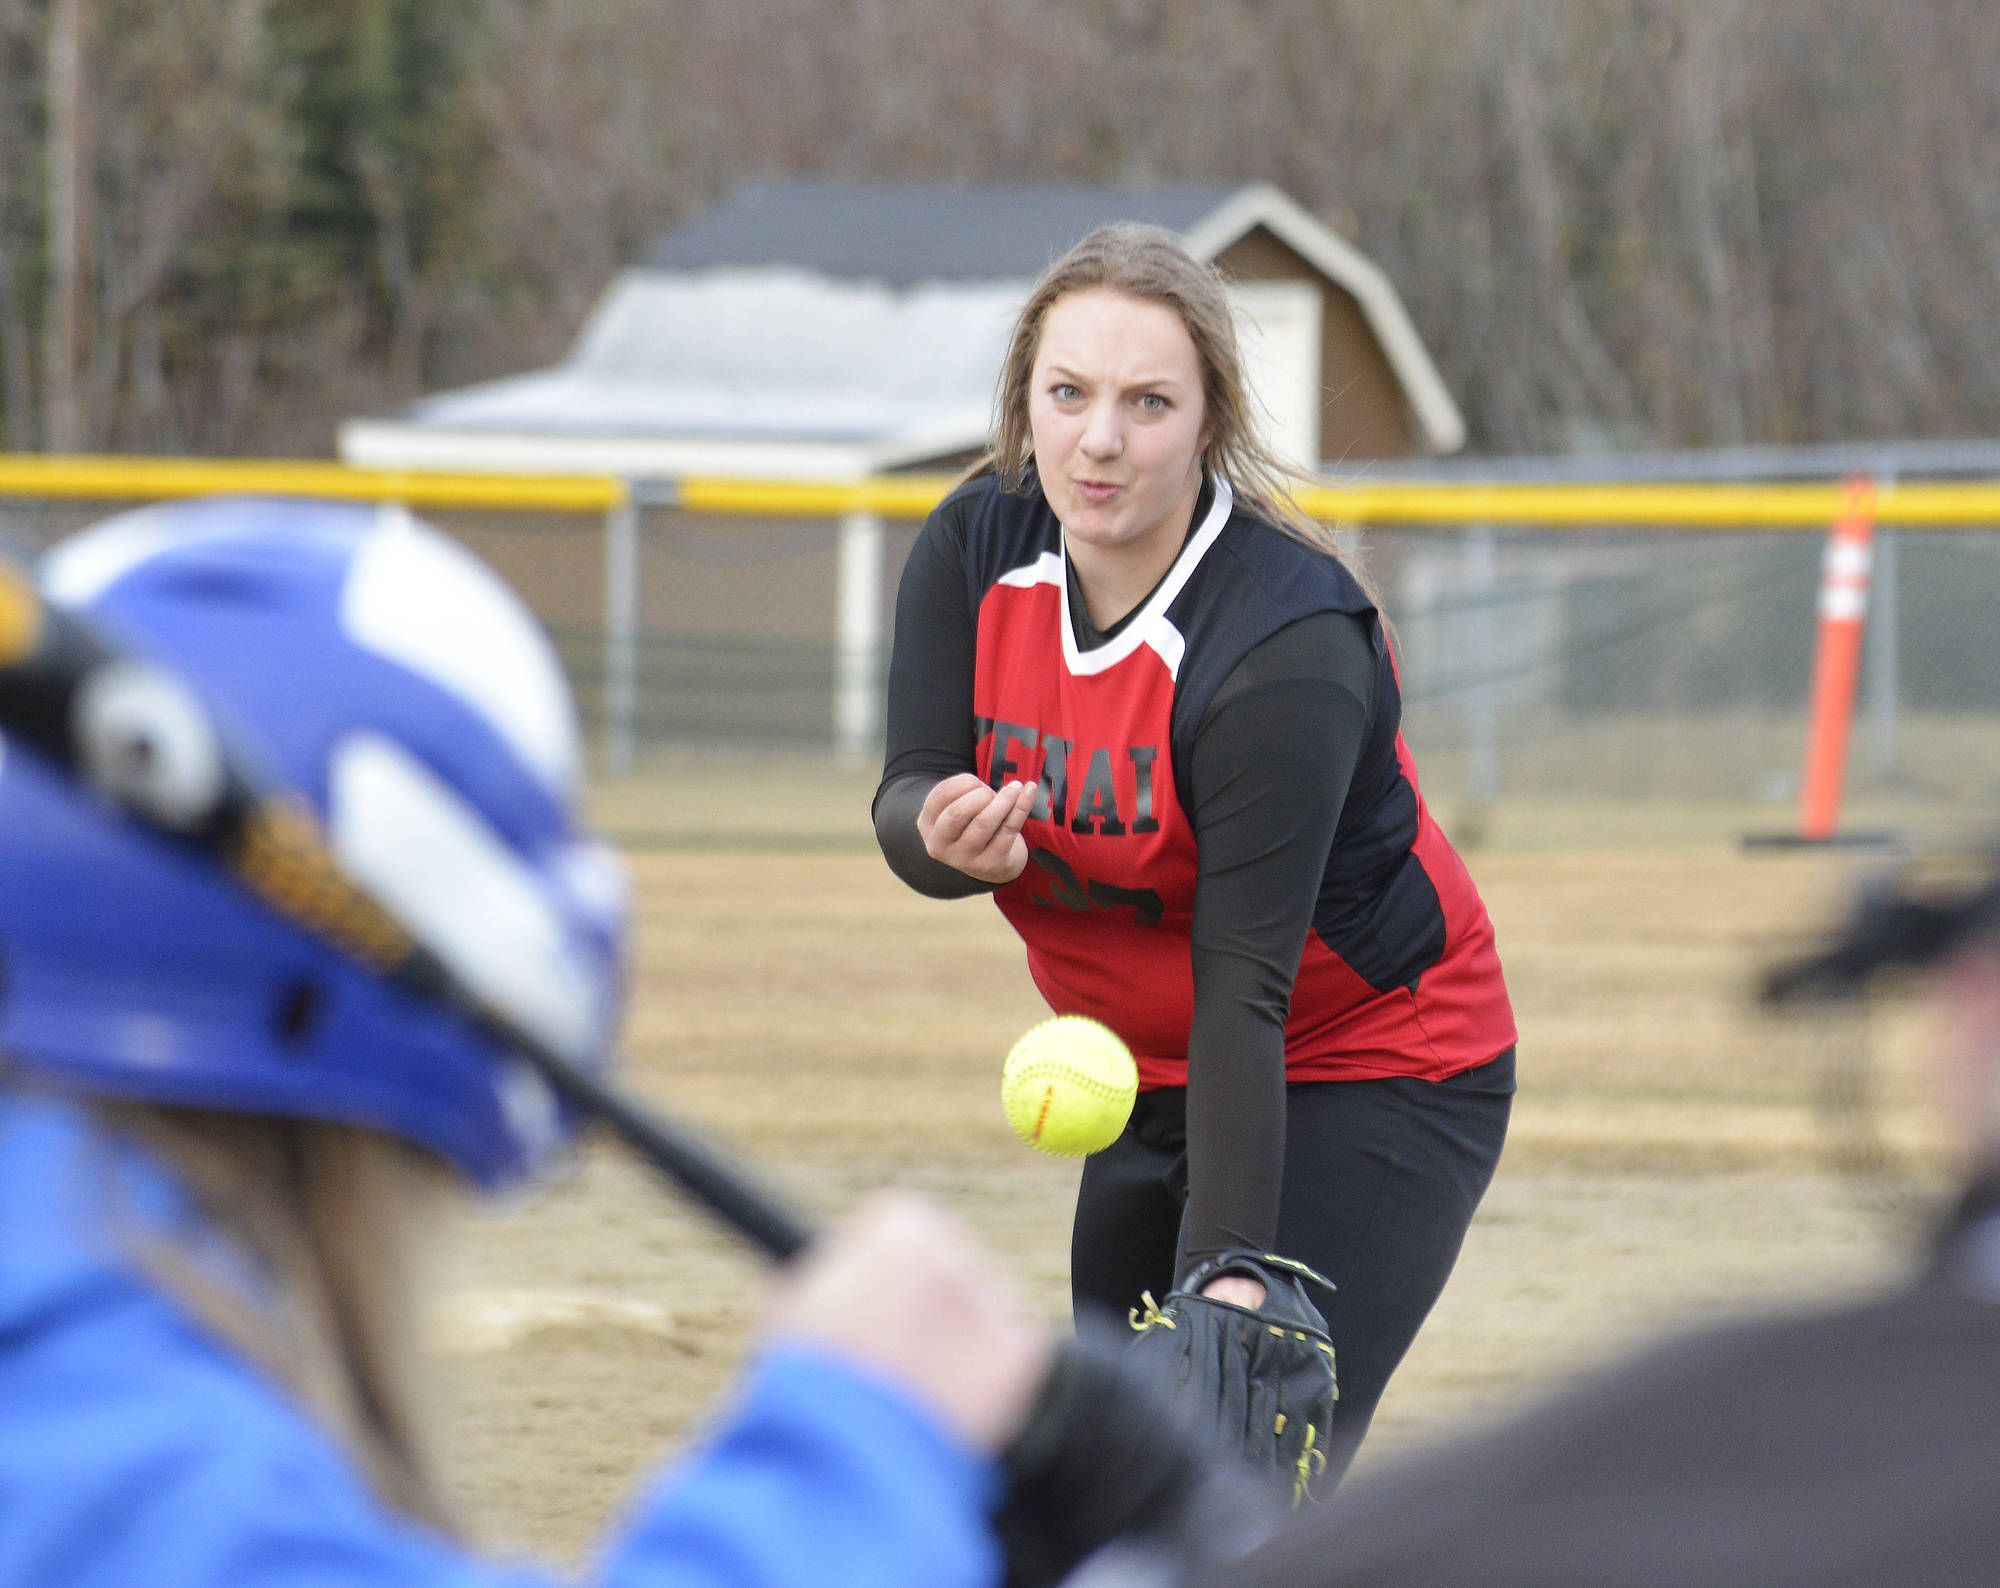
[(1075, 893)]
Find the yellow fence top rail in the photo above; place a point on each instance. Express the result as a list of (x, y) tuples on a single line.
[(1925, 505), (153, 479), (1702, 506), (890, 495)]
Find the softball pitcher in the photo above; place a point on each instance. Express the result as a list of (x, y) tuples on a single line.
[(1137, 698)]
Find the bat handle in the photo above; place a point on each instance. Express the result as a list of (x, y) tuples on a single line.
[(713, 1178)]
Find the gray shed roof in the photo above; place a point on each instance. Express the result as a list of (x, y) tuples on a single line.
[(900, 235), (808, 329)]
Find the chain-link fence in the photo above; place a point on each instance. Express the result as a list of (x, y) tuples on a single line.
[(1610, 664), (1655, 664)]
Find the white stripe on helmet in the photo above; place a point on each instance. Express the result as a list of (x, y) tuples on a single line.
[(80, 569), (430, 606), (407, 837)]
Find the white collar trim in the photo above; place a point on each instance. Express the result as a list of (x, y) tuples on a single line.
[(1149, 625)]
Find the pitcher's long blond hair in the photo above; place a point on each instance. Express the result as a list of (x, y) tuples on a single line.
[(1150, 264)]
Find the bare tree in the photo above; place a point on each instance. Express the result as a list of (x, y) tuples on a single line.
[(68, 225), (1683, 221)]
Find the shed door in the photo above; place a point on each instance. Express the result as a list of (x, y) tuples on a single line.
[(1279, 325)]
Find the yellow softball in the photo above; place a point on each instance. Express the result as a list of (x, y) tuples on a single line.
[(1068, 1086)]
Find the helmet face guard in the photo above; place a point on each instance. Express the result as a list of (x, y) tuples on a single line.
[(394, 685)]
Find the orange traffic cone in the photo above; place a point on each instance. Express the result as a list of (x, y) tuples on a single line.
[(1843, 616)]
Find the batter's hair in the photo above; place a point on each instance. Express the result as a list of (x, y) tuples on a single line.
[(1149, 263), (335, 1218)]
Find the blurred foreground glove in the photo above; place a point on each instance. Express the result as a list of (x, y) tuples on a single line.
[(1263, 1381), (1106, 1477)]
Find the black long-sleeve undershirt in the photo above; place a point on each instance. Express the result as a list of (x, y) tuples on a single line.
[(1269, 768)]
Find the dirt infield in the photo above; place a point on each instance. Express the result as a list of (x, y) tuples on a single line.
[(1665, 1161)]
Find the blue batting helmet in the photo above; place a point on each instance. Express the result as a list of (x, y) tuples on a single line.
[(372, 666)]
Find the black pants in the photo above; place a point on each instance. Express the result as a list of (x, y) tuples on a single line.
[(1381, 1181)]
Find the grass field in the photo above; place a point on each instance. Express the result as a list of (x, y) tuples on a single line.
[(1667, 1159)]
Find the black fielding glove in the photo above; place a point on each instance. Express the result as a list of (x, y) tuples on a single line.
[(1262, 1381), (1105, 1460)]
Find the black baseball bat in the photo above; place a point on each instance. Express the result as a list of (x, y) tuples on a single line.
[(129, 729)]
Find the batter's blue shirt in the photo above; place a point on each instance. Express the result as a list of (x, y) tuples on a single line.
[(136, 1449)]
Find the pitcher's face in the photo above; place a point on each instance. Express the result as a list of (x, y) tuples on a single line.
[(1116, 413)]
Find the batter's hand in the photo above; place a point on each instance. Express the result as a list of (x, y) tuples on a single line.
[(900, 1291), (976, 829)]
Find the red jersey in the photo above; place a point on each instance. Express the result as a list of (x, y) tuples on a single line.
[(1397, 975)]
